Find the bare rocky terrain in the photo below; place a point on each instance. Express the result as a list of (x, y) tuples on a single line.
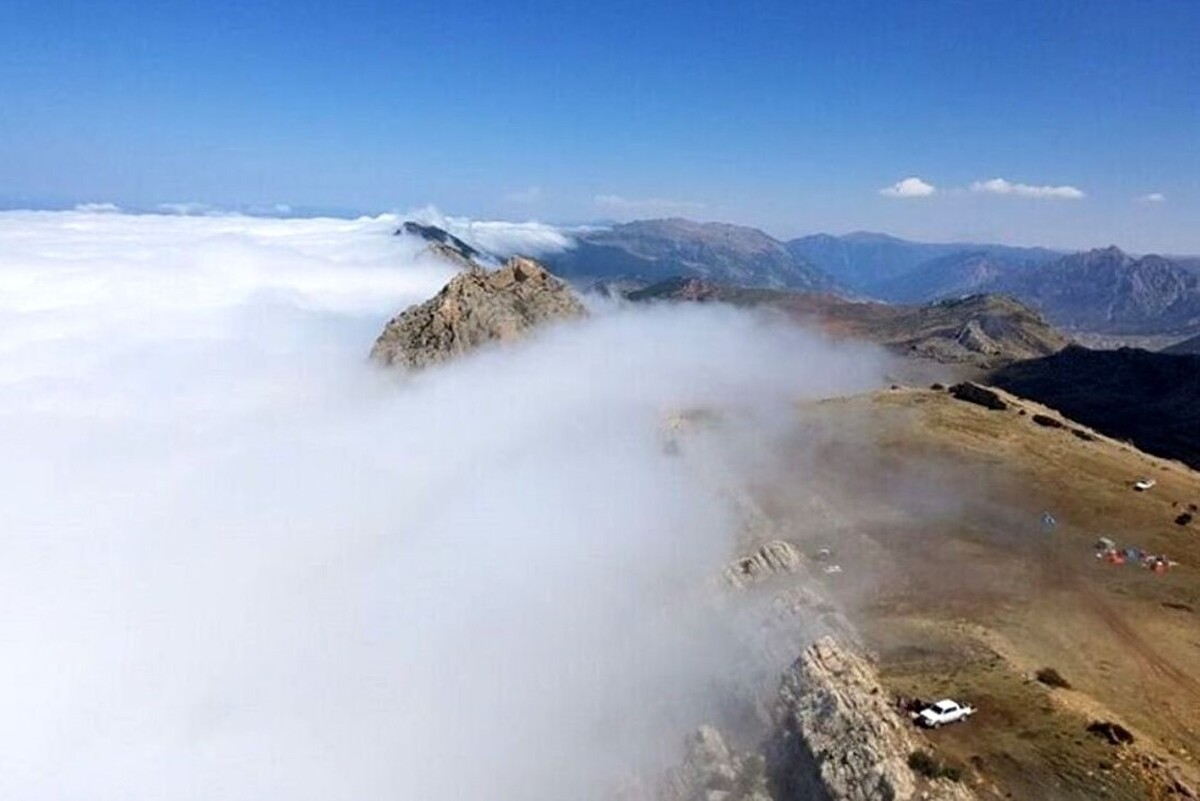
[(476, 308), (980, 331)]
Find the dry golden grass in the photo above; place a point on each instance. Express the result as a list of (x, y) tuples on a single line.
[(962, 591)]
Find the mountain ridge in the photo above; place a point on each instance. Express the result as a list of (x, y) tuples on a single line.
[(653, 250), (979, 330)]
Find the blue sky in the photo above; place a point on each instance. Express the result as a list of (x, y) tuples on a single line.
[(788, 115)]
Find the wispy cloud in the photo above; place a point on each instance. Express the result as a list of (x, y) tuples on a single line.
[(999, 186), (98, 208), (530, 194), (909, 187), (1153, 197), (500, 238), (185, 209), (650, 205)]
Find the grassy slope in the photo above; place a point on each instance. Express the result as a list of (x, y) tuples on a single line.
[(962, 592)]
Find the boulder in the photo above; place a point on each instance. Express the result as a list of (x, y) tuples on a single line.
[(975, 393)]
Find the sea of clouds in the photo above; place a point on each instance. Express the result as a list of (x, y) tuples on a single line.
[(238, 561)]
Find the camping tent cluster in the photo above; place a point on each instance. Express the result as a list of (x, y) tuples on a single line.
[(1110, 552)]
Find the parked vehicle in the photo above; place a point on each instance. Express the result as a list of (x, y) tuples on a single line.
[(943, 712), (1143, 484)]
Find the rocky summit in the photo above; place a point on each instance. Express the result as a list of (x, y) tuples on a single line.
[(475, 308), (442, 242)]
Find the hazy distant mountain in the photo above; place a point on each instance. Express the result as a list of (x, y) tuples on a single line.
[(981, 330), (443, 242), (880, 265), (1103, 291), (1187, 346), (1110, 291), (652, 250), (953, 275)]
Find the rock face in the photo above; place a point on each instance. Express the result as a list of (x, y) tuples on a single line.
[(840, 739), (475, 308), (772, 559), (836, 736)]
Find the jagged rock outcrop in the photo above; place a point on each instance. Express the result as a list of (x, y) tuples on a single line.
[(477, 307), (772, 559), (973, 338), (841, 739)]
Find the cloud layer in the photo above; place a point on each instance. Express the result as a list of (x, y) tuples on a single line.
[(239, 562)]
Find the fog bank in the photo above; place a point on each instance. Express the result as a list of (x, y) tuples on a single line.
[(238, 561)]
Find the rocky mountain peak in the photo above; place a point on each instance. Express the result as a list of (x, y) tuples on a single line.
[(441, 241), (477, 307)]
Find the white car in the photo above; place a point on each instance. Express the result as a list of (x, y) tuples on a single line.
[(943, 712), (1143, 484)]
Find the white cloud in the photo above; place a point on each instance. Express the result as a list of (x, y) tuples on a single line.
[(1153, 197), (271, 210), (98, 208), (189, 209), (499, 237), (528, 195), (999, 186), (909, 187), (651, 206), (239, 562)]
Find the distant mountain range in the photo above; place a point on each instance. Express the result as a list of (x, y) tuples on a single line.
[(877, 264), (1103, 291), (1110, 291), (1187, 346), (653, 250)]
